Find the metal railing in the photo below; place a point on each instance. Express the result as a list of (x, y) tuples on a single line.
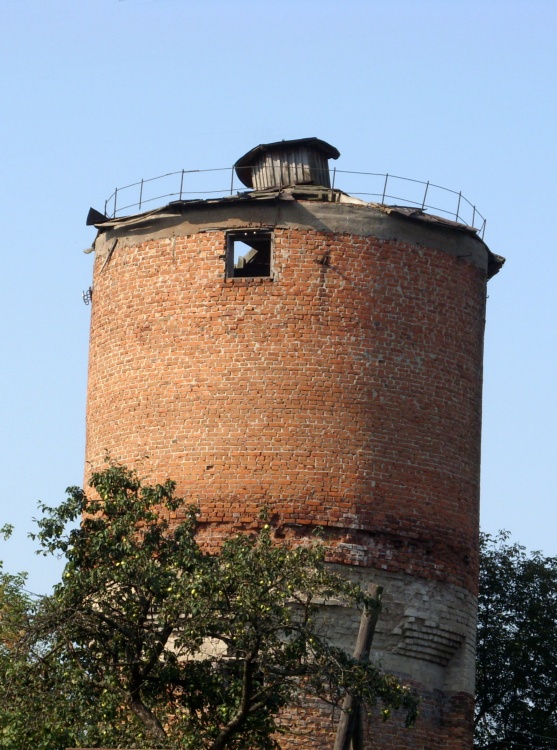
[(192, 184)]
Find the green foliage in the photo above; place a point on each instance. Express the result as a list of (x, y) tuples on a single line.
[(148, 641), (516, 691)]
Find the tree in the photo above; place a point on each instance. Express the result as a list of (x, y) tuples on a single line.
[(149, 641), (516, 691), (44, 703)]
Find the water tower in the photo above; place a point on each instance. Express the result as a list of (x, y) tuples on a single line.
[(296, 347)]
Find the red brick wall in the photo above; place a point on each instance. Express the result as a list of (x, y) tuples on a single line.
[(344, 395), (443, 724)]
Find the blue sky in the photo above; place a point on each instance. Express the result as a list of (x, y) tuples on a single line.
[(101, 93)]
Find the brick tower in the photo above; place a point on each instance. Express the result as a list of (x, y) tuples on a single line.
[(296, 347)]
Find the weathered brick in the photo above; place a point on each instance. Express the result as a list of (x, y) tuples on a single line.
[(344, 395)]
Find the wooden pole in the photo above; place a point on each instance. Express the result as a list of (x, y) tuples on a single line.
[(350, 729)]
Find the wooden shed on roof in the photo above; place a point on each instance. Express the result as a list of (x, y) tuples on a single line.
[(304, 161)]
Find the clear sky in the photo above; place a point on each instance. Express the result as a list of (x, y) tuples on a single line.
[(100, 93)]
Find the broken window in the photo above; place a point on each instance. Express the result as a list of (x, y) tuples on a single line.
[(248, 254)]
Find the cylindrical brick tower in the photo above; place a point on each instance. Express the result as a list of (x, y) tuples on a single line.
[(298, 348)]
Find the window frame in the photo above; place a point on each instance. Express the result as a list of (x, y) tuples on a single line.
[(243, 235)]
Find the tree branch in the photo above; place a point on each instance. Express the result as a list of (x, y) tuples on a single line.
[(245, 702), (148, 719)]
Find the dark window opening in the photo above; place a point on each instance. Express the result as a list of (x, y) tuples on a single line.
[(248, 254)]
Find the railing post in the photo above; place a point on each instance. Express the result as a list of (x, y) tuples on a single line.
[(231, 180), (458, 205), (334, 175), (181, 183), (425, 195), (140, 194), (115, 198), (473, 215), (385, 188)]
